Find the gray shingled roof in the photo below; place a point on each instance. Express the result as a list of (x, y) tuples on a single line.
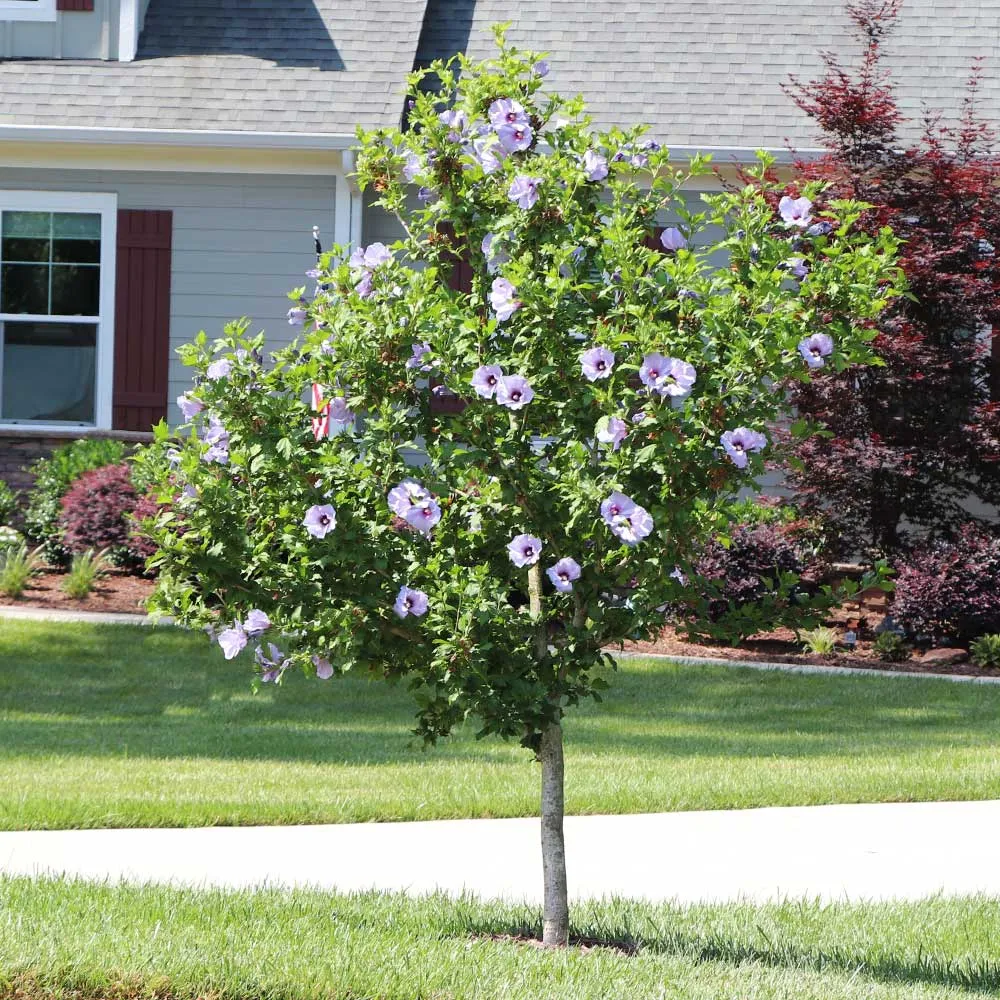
[(265, 65), (709, 72)]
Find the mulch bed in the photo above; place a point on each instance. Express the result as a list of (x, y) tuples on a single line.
[(124, 593), (117, 592)]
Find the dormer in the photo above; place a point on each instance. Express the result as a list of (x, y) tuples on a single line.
[(70, 29)]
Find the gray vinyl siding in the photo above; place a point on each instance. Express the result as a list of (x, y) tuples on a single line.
[(73, 35), (240, 243)]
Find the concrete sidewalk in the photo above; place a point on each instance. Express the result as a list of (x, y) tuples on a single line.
[(845, 852)]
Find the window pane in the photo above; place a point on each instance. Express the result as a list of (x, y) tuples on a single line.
[(27, 224), (24, 288), (76, 291), (48, 372), (22, 249), (74, 225), (76, 251)]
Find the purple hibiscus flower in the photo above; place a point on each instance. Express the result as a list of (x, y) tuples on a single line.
[(815, 348), (339, 410), (427, 195), (613, 433), (502, 299), (420, 351), (190, 406), (627, 520), (272, 664), (597, 363), (563, 573), (233, 640), (364, 286), (595, 165), (541, 67), (507, 111), (524, 550), (219, 369), (456, 121), (217, 439), (320, 520), (494, 258), (821, 228), (678, 378), (410, 602), (673, 239), (524, 190), (423, 516), (489, 153), (371, 257), (256, 623), (407, 494), (412, 166), (740, 442), (486, 379), (514, 392), (795, 211), (515, 138), (296, 316), (324, 668), (796, 267)]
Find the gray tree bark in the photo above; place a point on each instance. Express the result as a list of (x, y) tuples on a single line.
[(555, 911)]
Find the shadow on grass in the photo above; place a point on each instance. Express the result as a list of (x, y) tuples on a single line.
[(105, 690), (979, 974)]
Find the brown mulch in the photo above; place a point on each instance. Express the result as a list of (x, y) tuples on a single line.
[(780, 646), (117, 592)]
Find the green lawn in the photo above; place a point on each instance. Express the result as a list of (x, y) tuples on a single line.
[(119, 726), (60, 939)]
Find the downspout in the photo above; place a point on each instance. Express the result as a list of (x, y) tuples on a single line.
[(128, 30), (357, 200)]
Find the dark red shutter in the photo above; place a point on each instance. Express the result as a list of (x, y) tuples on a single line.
[(995, 367), (653, 242), (142, 319), (74, 4), (460, 280)]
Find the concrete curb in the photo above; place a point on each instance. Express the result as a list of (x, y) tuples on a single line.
[(112, 618)]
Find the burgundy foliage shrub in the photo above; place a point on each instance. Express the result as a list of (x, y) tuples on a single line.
[(910, 440), (952, 591), (141, 546), (95, 512)]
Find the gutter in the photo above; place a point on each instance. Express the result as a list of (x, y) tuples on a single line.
[(207, 139)]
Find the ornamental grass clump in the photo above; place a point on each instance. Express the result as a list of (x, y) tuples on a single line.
[(84, 573), (616, 399), (17, 566)]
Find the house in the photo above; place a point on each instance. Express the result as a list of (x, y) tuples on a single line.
[(163, 162)]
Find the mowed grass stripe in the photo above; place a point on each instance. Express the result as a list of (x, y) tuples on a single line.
[(62, 939), (119, 726)]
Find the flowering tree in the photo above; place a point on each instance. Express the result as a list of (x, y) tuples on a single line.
[(339, 507), (911, 440)]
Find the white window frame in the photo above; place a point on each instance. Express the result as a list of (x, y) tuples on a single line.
[(105, 205), (20, 10)]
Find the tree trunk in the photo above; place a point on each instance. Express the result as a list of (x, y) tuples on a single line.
[(555, 914)]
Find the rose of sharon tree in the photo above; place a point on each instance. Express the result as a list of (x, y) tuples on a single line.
[(616, 397)]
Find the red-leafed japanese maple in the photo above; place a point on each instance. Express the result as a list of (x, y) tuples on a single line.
[(909, 442)]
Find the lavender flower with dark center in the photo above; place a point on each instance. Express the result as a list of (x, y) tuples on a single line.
[(795, 211), (628, 521), (595, 165), (407, 494), (486, 379), (339, 410), (678, 379), (524, 191), (296, 316), (815, 349), (821, 228), (489, 153), (597, 363), (233, 640), (423, 516), (507, 112), (515, 138), (740, 443), (420, 351), (427, 195), (410, 602), (514, 392), (673, 239), (413, 165), (217, 439), (541, 67), (454, 119), (324, 668), (190, 406), (256, 623), (563, 573), (796, 267), (613, 433), (219, 369), (524, 550), (502, 299), (320, 520)]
